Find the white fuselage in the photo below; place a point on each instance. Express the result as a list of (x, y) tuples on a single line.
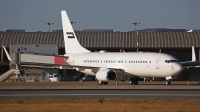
[(136, 64)]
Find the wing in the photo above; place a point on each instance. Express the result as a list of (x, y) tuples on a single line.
[(93, 70), (188, 65), (193, 63)]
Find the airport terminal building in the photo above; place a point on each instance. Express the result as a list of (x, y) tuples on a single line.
[(176, 43)]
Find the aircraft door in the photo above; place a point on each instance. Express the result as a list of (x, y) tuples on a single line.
[(71, 59), (157, 62)]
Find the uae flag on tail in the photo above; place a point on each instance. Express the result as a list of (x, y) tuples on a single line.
[(70, 35)]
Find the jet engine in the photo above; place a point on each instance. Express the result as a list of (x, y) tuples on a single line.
[(105, 75)]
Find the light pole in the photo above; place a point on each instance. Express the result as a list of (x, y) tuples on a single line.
[(135, 23), (72, 22), (137, 38), (49, 23)]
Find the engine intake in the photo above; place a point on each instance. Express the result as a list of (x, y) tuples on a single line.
[(105, 74)]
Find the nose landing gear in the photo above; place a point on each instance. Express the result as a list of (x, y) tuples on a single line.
[(168, 80)]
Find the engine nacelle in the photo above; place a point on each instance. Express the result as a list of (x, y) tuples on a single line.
[(105, 75)]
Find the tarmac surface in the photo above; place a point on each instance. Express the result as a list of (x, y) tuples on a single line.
[(95, 85), (95, 93)]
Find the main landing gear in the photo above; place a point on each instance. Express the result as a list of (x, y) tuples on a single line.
[(168, 82), (103, 83), (133, 80)]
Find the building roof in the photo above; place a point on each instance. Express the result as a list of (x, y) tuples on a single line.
[(105, 39)]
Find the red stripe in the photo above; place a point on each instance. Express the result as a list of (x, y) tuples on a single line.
[(73, 34), (60, 61)]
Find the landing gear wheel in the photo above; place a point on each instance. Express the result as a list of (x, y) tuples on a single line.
[(136, 81), (168, 82), (103, 83), (130, 82), (133, 81)]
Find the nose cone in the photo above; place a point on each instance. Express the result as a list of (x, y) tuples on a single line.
[(178, 68)]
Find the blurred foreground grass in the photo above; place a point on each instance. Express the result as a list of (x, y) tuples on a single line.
[(99, 105)]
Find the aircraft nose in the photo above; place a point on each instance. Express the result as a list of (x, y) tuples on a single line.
[(178, 67)]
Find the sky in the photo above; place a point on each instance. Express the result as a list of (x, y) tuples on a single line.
[(32, 15)]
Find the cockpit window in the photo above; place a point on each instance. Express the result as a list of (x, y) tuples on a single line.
[(174, 61), (171, 61), (167, 61)]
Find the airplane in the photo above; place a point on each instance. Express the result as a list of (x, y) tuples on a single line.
[(189, 30), (106, 66)]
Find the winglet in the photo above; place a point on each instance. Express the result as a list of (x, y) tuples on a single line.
[(193, 54), (8, 56)]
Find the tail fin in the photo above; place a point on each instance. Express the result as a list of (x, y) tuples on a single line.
[(193, 54), (71, 43)]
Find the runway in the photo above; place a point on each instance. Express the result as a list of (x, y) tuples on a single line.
[(10, 94), (94, 85), (77, 89)]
